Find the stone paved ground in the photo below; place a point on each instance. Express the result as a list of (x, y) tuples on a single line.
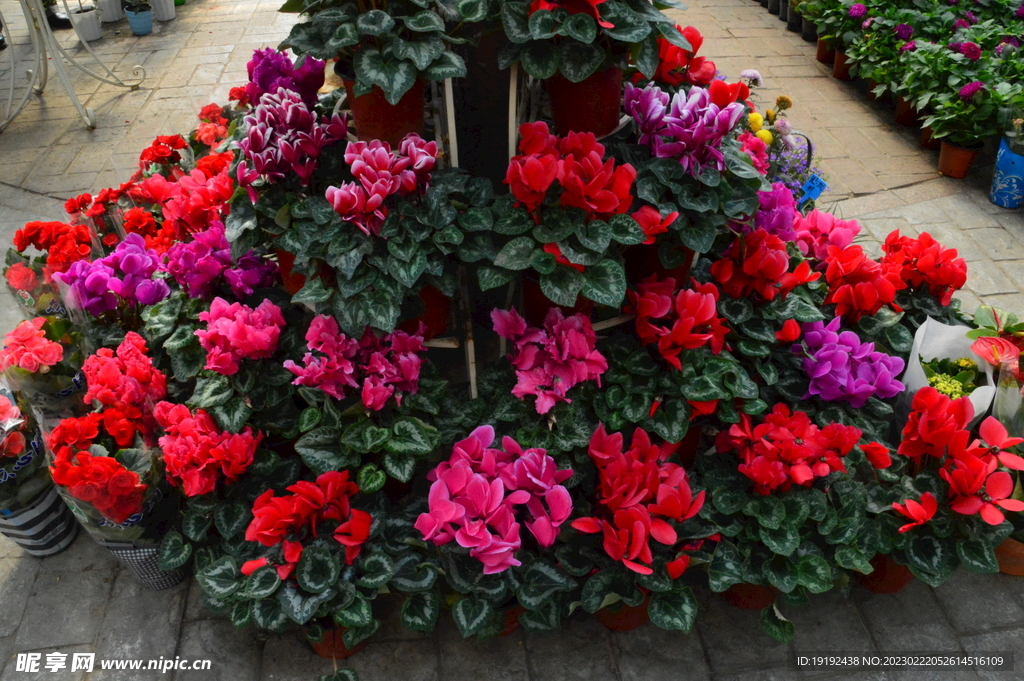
[(82, 601)]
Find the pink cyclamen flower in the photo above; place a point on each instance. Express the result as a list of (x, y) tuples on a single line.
[(909, 46), (816, 231), (971, 50), (235, 332), (967, 92)]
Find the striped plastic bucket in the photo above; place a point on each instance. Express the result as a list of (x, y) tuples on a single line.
[(43, 527)]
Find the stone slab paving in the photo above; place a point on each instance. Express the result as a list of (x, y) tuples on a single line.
[(83, 601)]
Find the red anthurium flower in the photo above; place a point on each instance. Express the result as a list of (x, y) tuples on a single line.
[(790, 331), (919, 512), (995, 436), (995, 350), (652, 223)]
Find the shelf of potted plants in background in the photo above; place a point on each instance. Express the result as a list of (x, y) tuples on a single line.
[(952, 69), (656, 373)]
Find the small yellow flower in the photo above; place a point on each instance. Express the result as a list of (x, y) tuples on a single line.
[(770, 115), (966, 363), (783, 102), (755, 121), (947, 385), (765, 136)]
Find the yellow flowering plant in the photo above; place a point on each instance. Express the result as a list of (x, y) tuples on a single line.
[(952, 377)]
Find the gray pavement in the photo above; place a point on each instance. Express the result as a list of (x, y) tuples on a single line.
[(83, 601)]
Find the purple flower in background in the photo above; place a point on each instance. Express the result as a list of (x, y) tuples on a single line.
[(858, 10), (842, 368), (956, 47), (126, 274), (250, 273), (968, 91), (909, 46), (960, 24), (971, 50), (270, 70), (777, 212), (904, 31), (752, 76), (971, 17), (1020, 12)]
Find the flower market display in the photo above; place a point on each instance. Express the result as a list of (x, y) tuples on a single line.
[(955, 68), (321, 369)]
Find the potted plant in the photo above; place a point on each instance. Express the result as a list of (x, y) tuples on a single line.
[(31, 513), (163, 10), (385, 54), (840, 26), (809, 11), (140, 16), (794, 20), (1008, 180), (86, 21), (110, 10), (42, 361), (580, 51)]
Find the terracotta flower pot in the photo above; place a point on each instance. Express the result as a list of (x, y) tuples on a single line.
[(906, 114), (437, 308), (748, 596), (536, 304), (625, 618), (955, 161), (592, 105), (927, 141), (377, 119), (293, 282), (333, 645), (1010, 555), (841, 67), (642, 261), (826, 53), (888, 577)]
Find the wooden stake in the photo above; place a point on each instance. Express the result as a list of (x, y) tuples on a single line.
[(467, 310)]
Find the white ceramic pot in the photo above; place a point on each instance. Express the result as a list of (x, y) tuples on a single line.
[(163, 10), (110, 10), (87, 24)]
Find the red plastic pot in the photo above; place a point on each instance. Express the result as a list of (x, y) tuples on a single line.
[(292, 282), (536, 304), (592, 105), (826, 53), (888, 576), (333, 647), (955, 161), (377, 119), (437, 309), (625, 618), (748, 596), (927, 141), (1010, 555), (905, 113), (642, 261), (841, 67)]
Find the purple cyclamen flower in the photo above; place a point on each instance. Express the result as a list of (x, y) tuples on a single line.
[(844, 369), (198, 264), (647, 106), (777, 212), (909, 46), (88, 284), (971, 17), (968, 91), (270, 70), (904, 31), (858, 10)]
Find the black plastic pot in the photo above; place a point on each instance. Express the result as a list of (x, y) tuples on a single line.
[(809, 31), (783, 10), (774, 6), (764, 3), (795, 22)]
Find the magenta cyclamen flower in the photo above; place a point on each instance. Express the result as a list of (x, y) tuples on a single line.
[(270, 70), (89, 284), (971, 50), (552, 360), (198, 264), (379, 173), (385, 367), (960, 24), (842, 368), (967, 92), (777, 212), (817, 231), (690, 129), (908, 46), (235, 332), (858, 10), (283, 135), (476, 496), (904, 31)]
